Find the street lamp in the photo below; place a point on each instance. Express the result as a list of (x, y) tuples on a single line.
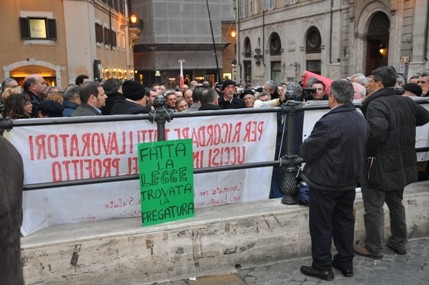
[(132, 30), (133, 19)]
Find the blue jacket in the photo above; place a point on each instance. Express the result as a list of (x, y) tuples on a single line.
[(69, 108), (335, 151)]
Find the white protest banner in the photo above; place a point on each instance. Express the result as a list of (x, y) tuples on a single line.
[(94, 150), (422, 132)]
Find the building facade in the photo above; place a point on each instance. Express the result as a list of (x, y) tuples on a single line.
[(61, 39), (195, 31), (279, 39)]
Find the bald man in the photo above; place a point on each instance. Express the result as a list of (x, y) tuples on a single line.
[(35, 86)]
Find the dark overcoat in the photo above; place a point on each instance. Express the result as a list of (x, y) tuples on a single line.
[(11, 185), (335, 151), (392, 119)]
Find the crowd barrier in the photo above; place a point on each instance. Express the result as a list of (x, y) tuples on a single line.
[(85, 168)]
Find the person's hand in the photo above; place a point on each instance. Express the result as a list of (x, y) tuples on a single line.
[(425, 90)]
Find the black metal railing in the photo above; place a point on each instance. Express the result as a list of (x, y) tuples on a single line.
[(289, 161)]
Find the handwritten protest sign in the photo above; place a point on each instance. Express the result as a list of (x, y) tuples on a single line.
[(166, 181)]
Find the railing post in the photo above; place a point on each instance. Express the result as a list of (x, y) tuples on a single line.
[(5, 124), (290, 160), (161, 115)]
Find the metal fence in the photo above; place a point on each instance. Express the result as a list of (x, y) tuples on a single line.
[(288, 161)]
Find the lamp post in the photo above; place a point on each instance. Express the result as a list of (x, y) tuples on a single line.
[(127, 40), (132, 33)]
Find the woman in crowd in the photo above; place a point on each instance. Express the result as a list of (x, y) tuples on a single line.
[(18, 107), (181, 105), (10, 91)]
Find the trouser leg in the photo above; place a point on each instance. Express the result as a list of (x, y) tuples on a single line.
[(343, 225), (398, 224), (321, 211), (373, 201)]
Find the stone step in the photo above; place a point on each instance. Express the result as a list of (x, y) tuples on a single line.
[(218, 241)]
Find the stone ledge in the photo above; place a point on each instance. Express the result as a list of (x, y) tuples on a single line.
[(217, 241)]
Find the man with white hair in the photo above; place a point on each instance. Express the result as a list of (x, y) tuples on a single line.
[(359, 78), (360, 91)]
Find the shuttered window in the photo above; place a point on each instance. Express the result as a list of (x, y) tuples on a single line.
[(33, 28), (113, 38), (98, 33), (107, 36)]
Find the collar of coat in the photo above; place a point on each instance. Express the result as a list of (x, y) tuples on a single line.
[(347, 107), (383, 92)]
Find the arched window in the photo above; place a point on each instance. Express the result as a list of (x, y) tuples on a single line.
[(314, 41), (275, 44), (247, 48)]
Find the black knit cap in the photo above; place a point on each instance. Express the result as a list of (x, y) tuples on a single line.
[(226, 83), (133, 90), (414, 88)]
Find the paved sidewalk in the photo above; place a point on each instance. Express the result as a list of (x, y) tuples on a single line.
[(409, 269)]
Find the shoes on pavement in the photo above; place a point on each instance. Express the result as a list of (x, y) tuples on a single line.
[(399, 251), (327, 275), (361, 250), (345, 272)]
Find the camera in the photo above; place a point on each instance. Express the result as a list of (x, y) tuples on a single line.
[(306, 93), (259, 89), (309, 90)]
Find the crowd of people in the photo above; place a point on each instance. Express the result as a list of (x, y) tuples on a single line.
[(373, 147), (131, 97)]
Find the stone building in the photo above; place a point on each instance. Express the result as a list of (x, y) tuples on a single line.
[(61, 39), (279, 39), (183, 30)]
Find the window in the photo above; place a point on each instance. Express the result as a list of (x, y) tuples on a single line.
[(314, 66), (35, 28), (269, 4), (275, 44), (314, 41), (107, 35), (247, 72), (276, 71), (113, 38), (290, 2), (243, 9), (247, 48), (98, 33)]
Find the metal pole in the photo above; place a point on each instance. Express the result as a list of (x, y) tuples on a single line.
[(161, 116), (214, 45), (127, 40), (290, 161)]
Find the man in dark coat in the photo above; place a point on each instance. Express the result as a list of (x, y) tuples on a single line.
[(35, 86), (71, 100), (334, 155), (11, 185), (132, 101), (228, 100), (113, 89), (209, 100), (93, 99), (391, 163)]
